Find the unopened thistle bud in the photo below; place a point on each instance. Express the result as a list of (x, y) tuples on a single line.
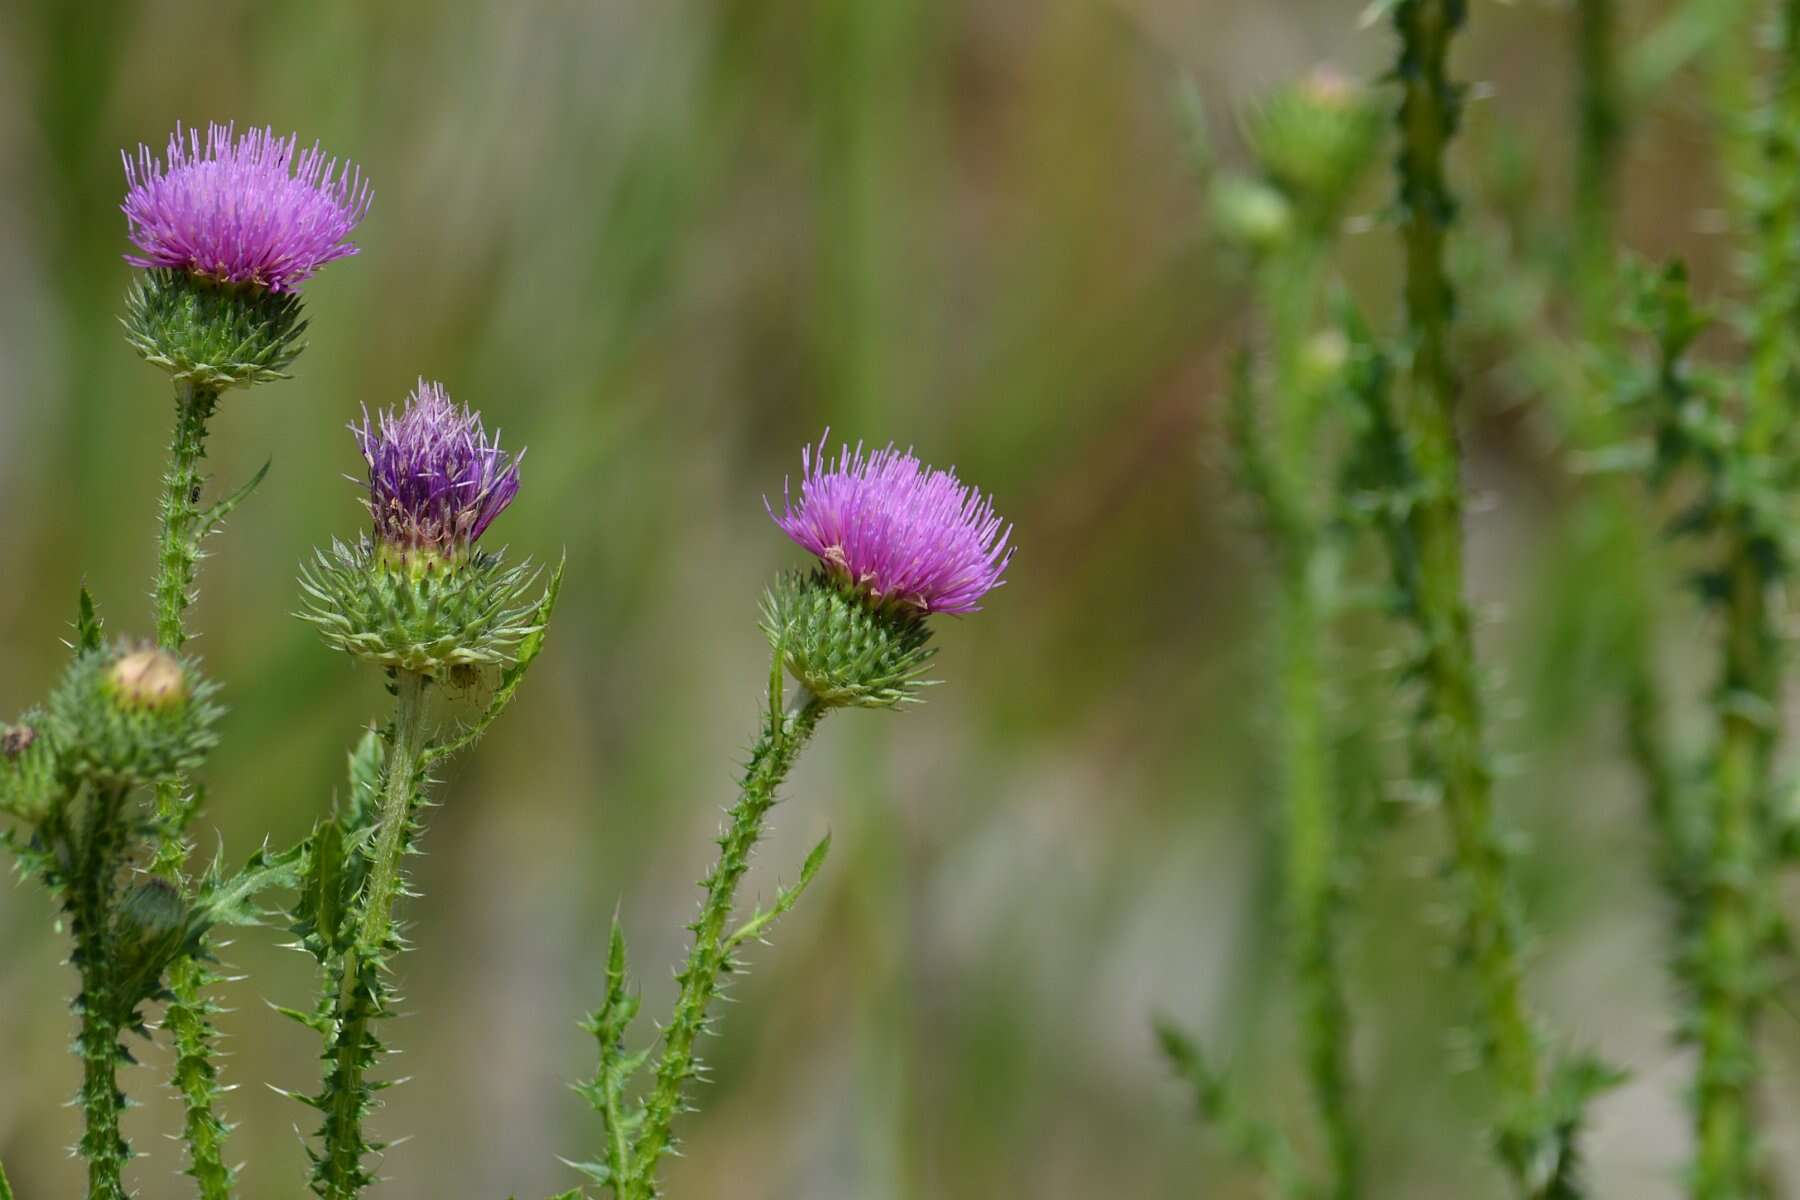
[(417, 593), (896, 542), (127, 715), (1316, 138), (28, 784), (1251, 213), (227, 231)]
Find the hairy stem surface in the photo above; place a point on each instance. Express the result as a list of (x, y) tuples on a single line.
[(1735, 928), (178, 551), (1509, 1037), (92, 892), (362, 998), (770, 760)]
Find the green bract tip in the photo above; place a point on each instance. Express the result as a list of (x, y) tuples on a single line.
[(428, 616), (845, 649), (213, 335), (124, 715)]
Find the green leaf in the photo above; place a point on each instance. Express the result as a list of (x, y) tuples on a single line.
[(214, 517), (785, 898), (323, 896), (231, 901), (89, 628), (6, 1188)]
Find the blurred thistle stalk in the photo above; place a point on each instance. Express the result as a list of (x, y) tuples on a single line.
[(1742, 932), (1538, 1106), (1312, 141)]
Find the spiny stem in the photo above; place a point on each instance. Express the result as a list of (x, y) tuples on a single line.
[(90, 904), (1735, 932), (1740, 928), (770, 761), (404, 757), (1428, 118), (188, 1016), (1600, 122), (179, 549), (356, 979), (1311, 800)]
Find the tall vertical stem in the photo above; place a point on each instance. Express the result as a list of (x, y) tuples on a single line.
[(1740, 925), (351, 1049), (189, 1016), (770, 760), (404, 757), (90, 902), (1600, 122), (1312, 799), (1735, 928), (1509, 1037), (178, 551)]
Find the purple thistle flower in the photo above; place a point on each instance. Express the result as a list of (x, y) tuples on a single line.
[(436, 481), (245, 209), (896, 529)]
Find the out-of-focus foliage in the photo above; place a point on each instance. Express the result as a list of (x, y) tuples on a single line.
[(663, 245)]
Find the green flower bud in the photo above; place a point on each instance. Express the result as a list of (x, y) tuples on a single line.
[(148, 679), (846, 649), (212, 334), (28, 783), (1251, 213), (125, 716), (430, 614), (1323, 358), (1316, 138)]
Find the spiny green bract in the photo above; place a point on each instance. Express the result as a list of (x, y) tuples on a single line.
[(28, 770), (846, 651), (1316, 138), (101, 737), (210, 334), (427, 621)]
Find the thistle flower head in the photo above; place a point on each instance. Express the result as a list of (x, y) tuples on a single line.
[(897, 531), (242, 208), (436, 480)]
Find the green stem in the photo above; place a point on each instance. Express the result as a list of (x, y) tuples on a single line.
[(92, 893), (1510, 1043), (404, 758), (1600, 119), (6, 1192), (357, 982), (189, 1016), (179, 549), (1736, 929), (1313, 849), (770, 761), (1311, 800)]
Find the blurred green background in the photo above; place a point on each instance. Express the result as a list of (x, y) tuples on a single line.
[(664, 245)]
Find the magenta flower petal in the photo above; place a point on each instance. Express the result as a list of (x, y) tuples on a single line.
[(436, 480), (242, 209), (898, 530)]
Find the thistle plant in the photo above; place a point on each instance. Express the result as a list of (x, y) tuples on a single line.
[(101, 779), (896, 543), (418, 598), (1314, 141)]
